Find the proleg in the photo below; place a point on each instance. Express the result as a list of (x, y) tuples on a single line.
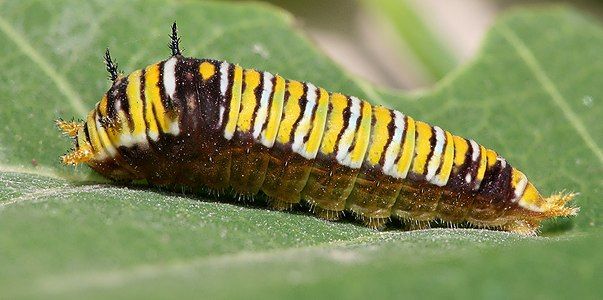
[(212, 125)]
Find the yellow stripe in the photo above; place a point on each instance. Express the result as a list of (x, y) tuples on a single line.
[(153, 101), (516, 177), (380, 134), (207, 70), (423, 147), (491, 158), (363, 135), (318, 126), (135, 102), (104, 138), (461, 146), (249, 101), (531, 197), (102, 107), (94, 138), (81, 138), (124, 127), (334, 124), (408, 147), (115, 128), (292, 111), (448, 159), (235, 101), (482, 163), (276, 109), (149, 117)]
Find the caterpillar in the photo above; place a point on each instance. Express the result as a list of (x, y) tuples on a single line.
[(204, 123)]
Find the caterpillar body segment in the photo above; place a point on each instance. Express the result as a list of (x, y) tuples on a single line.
[(204, 123)]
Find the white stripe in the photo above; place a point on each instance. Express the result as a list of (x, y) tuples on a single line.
[(141, 138), (474, 150), (436, 157), (531, 206), (221, 117), (262, 114), (389, 167), (169, 83), (224, 77), (169, 77), (304, 123), (343, 147), (99, 156), (343, 156), (503, 162), (437, 179), (224, 68), (153, 135), (126, 140), (174, 128), (475, 153)]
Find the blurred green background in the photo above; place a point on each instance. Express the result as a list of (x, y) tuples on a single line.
[(405, 44)]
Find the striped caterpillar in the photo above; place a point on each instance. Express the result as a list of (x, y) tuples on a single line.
[(211, 124)]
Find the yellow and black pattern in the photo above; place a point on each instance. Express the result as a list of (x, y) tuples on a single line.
[(212, 124)]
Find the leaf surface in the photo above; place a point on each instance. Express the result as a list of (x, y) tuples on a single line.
[(533, 93)]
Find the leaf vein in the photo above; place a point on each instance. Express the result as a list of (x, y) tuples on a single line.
[(26, 48), (550, 88), (40, 171), (48, 192), (114, 278)]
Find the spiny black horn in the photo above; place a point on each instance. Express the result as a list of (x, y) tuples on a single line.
[(175, 41), (111, 66)]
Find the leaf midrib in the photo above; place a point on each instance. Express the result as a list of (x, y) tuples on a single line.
[(61, 82), (526, 55)]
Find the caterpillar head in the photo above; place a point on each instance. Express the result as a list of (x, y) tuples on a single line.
[(83, 151)]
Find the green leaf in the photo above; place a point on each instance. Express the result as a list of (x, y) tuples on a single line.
[(533, 93), (429, 50)]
